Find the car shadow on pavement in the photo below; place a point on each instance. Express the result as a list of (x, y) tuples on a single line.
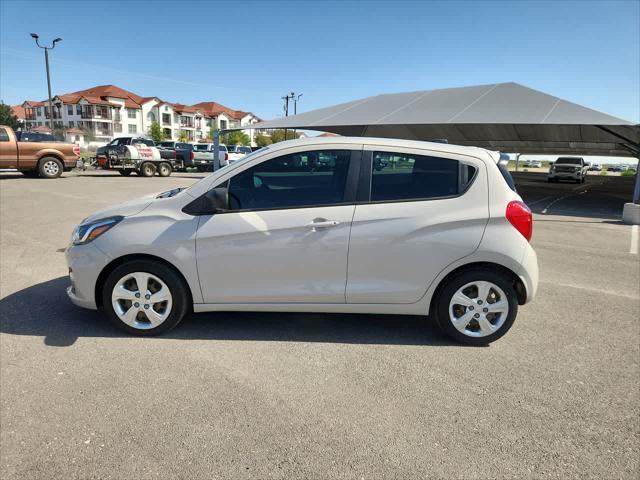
[(44, 310)]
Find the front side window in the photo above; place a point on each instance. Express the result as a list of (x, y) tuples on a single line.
[(307, 179), (400, 176)]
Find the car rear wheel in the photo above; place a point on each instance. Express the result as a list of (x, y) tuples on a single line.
[(147, 169), (164, 170), (50, 167), (477, 306), (145, 298)]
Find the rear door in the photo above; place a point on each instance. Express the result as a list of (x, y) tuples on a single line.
[(418, 211), (286, 236)]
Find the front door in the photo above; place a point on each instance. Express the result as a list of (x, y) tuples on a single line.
[(286, 236)]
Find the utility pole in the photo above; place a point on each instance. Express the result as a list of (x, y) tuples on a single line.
[(35, 36), (295, 108), (286, 99)]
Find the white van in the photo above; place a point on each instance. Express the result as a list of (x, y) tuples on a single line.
[(310, 226)]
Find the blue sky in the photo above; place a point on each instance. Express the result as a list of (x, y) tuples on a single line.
[(249, 54)]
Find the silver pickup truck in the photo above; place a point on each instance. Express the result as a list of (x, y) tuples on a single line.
[(203, 156)]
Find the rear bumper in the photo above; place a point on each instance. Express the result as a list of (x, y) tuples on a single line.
[(529, 273)]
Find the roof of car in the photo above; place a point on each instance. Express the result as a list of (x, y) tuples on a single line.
[(390, 142)]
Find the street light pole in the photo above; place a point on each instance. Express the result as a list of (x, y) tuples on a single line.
[(35, 36)]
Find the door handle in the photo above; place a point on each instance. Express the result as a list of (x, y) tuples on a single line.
[(322, 223)]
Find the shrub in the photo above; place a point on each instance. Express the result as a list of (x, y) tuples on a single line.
[(628, 173), (603, 172)]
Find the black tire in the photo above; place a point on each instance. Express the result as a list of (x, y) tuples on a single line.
[(147, 169), (177, 287), (164, 169), (50, 167), (125, 173), (440, 308)]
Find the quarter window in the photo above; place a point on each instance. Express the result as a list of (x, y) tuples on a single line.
[(4, 136), (399, 176), (307, 179)]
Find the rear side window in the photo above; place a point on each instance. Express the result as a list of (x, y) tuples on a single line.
[(4, 136), (400, 177)]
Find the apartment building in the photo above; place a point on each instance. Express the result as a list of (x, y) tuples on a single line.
[(108, 111)]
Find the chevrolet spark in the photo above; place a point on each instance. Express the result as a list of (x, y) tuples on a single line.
[(349, 225)]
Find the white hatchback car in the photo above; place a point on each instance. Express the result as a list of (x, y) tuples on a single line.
[(338, 224)]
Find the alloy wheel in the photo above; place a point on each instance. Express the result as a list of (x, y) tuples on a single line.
[(478, 309), (141, 300)]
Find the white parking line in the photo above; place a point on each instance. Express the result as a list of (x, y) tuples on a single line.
[(565, 196), (633, 250)]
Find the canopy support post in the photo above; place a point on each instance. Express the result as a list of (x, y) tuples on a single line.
[(636, 190), (216, 149)]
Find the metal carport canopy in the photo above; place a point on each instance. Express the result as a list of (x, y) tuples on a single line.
[(505, 116)]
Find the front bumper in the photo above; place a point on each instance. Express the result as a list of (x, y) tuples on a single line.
[(85, 263), (568, 175)]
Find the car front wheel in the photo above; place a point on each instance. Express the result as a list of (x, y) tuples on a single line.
[(476, 306), (145, 298)]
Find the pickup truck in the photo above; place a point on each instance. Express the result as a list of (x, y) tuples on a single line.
[(203, 156), (183, 152), (568, 168), (136, 154), (237, 152), (33, 159)]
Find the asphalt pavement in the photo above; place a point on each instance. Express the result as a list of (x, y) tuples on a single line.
[(256, 395)]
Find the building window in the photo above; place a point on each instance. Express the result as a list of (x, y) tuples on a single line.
[(78, 110), (39, 111), (223, 124), (69, 109), (39, 124), (131, 113), (71, 123), (77, 138), (166, 118), (117, 127), (151, 117), (167, 133), (132, 129)]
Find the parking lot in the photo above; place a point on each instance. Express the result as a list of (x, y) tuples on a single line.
[(256, 395)]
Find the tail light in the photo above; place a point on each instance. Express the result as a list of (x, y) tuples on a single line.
[(226, 157), (174, 154), (76, 150), (192, 156), (520, 216)]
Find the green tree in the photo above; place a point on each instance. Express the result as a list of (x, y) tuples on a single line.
[(238, 138), (263, 140), (183, 136), (279, 135), (7, 117), (155, 132), (88, 135)]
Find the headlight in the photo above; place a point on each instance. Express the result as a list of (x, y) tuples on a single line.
[(86, 232)]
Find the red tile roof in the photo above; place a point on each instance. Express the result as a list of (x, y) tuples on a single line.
[(19, 111), (76, 131), (41, 130)]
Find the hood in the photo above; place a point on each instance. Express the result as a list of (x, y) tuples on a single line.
[(126, 209)]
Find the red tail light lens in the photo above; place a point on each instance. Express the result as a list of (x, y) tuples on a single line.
[(76, 150), (226, 157), (520, 216), (193, 156)]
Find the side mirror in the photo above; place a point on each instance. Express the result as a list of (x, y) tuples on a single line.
[(217, 200)]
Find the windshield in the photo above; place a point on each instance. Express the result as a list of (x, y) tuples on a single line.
[(201, 147), (570, 160), (244, 149)]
